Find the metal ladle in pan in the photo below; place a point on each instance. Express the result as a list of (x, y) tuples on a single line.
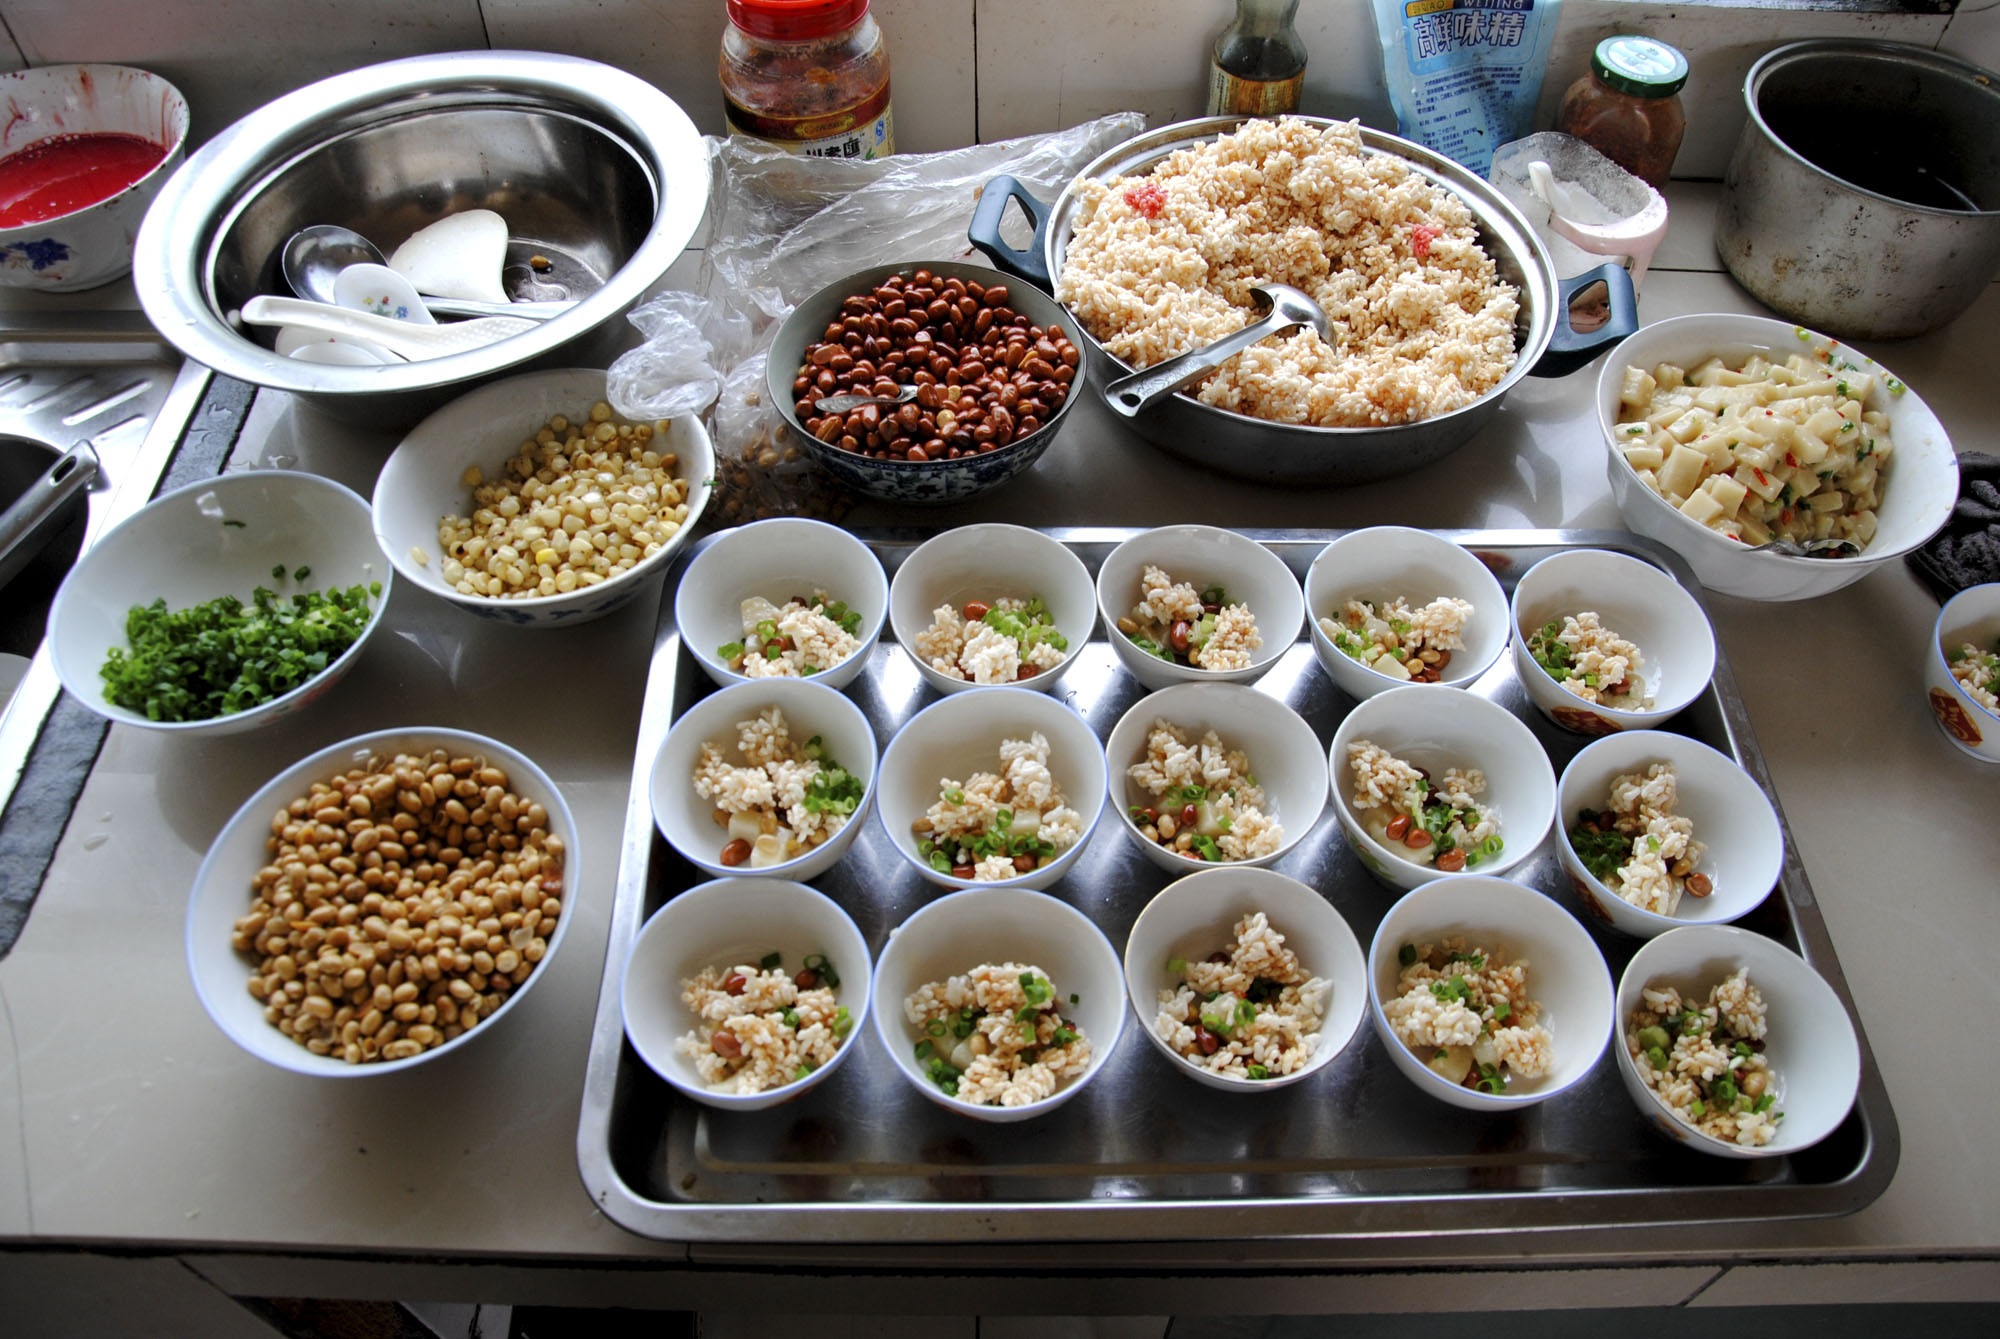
[(1284, 309)]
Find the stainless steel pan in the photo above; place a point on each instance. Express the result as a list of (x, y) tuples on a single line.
[(1282, 453)]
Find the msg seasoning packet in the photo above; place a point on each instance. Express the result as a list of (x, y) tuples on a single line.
[(1463, 75)]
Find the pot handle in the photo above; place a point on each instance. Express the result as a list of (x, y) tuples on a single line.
[(1570, 349), (985, 231)]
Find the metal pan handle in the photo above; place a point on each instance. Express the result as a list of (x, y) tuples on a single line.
[(1569, 348), (985, 231)]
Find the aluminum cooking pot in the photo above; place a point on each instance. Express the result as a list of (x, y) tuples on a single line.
[(1864, 195), (1286, 453)]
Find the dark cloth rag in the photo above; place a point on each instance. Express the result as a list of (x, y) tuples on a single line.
[(1967, 551)]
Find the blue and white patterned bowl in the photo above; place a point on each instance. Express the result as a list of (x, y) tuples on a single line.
[(919, 482)]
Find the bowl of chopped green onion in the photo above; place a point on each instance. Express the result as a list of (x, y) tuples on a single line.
[(1733, 1045), (991, 604), (782, 598), (1657, 830), (773, 778), (999, 1003), (1605, 642), (222, 606), (745, 993)]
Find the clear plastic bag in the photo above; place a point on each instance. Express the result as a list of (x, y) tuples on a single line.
[(781, 228)]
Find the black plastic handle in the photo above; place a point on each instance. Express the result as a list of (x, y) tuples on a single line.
[(985, 231), (1570, 349)]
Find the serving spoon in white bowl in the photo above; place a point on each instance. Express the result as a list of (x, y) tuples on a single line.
[(1811, 548)]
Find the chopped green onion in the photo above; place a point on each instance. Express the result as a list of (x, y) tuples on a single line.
[(1257, 1072), (1407, 955), (935, 1027), (924, 1048), (730, 651), (1173, 965), (771, 962)]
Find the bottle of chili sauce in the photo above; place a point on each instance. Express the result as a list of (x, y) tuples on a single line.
[(811, 76)]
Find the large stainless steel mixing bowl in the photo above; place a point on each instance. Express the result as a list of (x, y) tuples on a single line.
[(596, 168), (1287, 453)]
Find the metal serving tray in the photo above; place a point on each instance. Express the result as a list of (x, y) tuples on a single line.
[(1147, 1153)]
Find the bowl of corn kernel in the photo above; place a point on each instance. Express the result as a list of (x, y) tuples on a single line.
[(530, 501)]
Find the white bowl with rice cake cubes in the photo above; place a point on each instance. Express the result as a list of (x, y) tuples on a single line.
[(1208, 558), (1969, 618), (1809, 1044), (467, 444), (1436, 733), (225, 886), (1387, 563), (960, 736), (736, 923), (983, 564), (226, 536), (1636, 604), (1195, 917), (811, 711), (995, 925), (1728, 813), (1283, 761), (781, 560), (1565, 977), (1918, 485)]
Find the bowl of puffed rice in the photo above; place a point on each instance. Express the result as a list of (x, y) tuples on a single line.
[(530, 501), (1962, 671)]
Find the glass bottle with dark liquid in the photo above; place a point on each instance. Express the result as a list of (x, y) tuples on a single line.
[(1259, 63)]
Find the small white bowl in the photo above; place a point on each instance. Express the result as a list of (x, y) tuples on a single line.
[(961, 734), (1917, 496), (1193, 917), (687, 820), (1283, 751), (1729, 810), (1202, 556), (1810, 1041), (423, 481), (1972, 615), (1566, 976), (1436, 731), (93, 245), (728, 923), (985, 563), (223, 892), (1392, 561), (1000, 924), (1637, 601), (220, 536), (778, 559)]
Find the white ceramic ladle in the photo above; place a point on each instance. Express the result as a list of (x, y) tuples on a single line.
[(402, 338), (381, 291), (459, 256)]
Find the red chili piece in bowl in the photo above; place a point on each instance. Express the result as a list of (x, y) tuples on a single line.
[(986, 376)]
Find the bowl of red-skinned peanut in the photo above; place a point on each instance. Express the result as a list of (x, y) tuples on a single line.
[(925, 382)]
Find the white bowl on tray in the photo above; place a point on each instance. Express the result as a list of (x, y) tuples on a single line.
[(426, 478), (733, 923), (1971, 616), (1633, 599), (1197, 915), (811, 710), (985, 563), (223, 893), (1202, 556), (1566, 975), (778, 559), (960, 735), (1436, 731), (999, 924), (1389, 562), (1731, 815), (1283, 754), (1810, 1042), (1918, 492)]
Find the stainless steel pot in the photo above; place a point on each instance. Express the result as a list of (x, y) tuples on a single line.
[(1864, 195), (589, 162), (1284, 453)]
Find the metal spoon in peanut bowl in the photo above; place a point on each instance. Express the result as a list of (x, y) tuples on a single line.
[(1265, 451)]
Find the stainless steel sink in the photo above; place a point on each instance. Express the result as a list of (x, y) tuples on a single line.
[(102, 377)]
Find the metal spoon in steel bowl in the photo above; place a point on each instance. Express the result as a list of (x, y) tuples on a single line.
[(1811, 548), (1284, 309), (314, 257)]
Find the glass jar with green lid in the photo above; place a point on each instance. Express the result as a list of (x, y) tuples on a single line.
[(1628, 107)]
